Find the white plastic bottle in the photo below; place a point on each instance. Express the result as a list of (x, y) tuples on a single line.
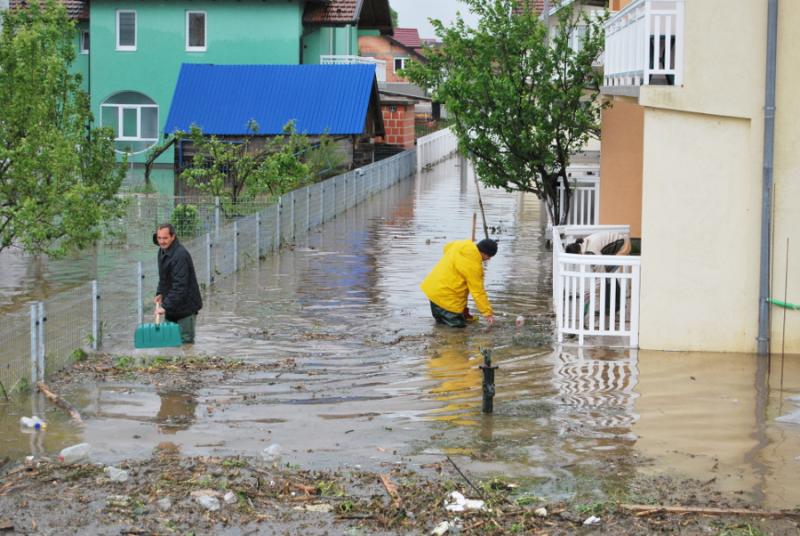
[(32, 422), (75, 453)]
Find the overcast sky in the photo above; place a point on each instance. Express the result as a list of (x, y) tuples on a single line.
[(415, 14)]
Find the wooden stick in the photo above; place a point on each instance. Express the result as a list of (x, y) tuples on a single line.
[(478, 491), (58, 401), (646, 509), (391, 489), (474, 222)]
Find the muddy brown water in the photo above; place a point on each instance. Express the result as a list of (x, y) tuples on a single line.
[(376, 383)]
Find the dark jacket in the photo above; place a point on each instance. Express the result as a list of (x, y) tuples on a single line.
[(177, 282)]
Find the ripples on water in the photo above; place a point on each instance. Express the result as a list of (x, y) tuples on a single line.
[(376, 380)]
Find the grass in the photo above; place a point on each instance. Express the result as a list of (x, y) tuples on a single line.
[(745, 529)]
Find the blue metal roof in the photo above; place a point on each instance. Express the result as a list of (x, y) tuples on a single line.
[(222, 99)]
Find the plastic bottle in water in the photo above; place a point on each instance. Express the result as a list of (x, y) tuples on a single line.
[(75, 453), (32, 422), (272, 453)]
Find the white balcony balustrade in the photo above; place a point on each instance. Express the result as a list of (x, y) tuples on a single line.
[(380, 65), (644, 44), (595, 295), (584, 204)]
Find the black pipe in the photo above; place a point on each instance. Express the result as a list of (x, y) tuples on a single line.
[(488, 381)]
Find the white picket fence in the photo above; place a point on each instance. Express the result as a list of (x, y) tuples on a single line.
[(586, 289), (341, 59), (435, 147), (643, 40), (584, 206)]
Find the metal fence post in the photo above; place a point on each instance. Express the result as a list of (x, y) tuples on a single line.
[(292, 214), (139, 292), (96, 316), (308, 209), (42, 320), (278, 224), (209, 275), (216, 218), (34, 343), (235, 246), (258, 235), (321, 203)]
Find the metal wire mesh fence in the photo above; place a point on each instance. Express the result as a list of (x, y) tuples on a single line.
[(222, 238)]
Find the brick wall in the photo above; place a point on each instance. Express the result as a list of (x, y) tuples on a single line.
[(381, 49), (398, 121)]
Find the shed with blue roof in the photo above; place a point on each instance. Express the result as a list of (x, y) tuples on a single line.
[(223, 100)]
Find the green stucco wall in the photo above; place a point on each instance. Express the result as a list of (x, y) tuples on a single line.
[(324, 40), (81, 63), (242, 32)]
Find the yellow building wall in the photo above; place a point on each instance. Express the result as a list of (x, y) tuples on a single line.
[(621, 165), (723, 67), (700, 232), (787, 180)]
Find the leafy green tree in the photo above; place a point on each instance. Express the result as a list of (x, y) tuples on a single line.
[(521, 104), (58, 176), (240, 169)]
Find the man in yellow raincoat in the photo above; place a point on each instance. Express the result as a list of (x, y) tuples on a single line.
[(457, 274)]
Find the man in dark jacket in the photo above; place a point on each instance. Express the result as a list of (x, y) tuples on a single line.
[(178, 295)]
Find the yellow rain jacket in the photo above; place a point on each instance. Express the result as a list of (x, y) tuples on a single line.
[(458, 273)]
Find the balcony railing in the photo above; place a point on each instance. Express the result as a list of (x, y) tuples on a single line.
[(644, 44), (595, 295), (584, 206), (380, 65)]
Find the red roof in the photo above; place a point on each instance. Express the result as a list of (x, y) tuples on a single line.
[(334, 12), (408, 37), (76, 9)]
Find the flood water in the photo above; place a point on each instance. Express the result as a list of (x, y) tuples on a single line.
[(375, 383)]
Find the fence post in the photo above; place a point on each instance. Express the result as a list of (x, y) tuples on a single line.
[(292, 214), (235, 246), (139, 292), (344, 203), (216, 218), (209, 275), (308, 209), (321, 203), (278, 224), (96, 316), (258, 235), (42, 320), (34, 343)]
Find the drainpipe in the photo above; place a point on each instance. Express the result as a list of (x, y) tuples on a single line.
[(767, 183)]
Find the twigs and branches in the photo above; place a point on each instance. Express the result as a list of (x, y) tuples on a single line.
[(521, 105)]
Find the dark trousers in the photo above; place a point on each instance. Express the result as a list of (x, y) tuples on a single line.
[(187, 324), (448, 318)]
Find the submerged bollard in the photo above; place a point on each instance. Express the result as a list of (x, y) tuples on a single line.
[(488, 381)]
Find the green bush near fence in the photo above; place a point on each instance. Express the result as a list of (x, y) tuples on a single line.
[(186, 220)]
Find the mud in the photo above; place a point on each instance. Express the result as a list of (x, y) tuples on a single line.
[(162, 496)]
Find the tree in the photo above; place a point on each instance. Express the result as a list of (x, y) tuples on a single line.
[(58, 176), (521, 104), (240, 169)]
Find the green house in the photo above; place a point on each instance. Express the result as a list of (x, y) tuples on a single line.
[(131, 51)]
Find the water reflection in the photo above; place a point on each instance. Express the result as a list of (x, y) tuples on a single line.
[(372, 378), (176, 411)]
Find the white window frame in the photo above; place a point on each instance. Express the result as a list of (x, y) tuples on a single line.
[(84, 36), (203, 48), (128, 48), (121, 122), (403, 60)]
